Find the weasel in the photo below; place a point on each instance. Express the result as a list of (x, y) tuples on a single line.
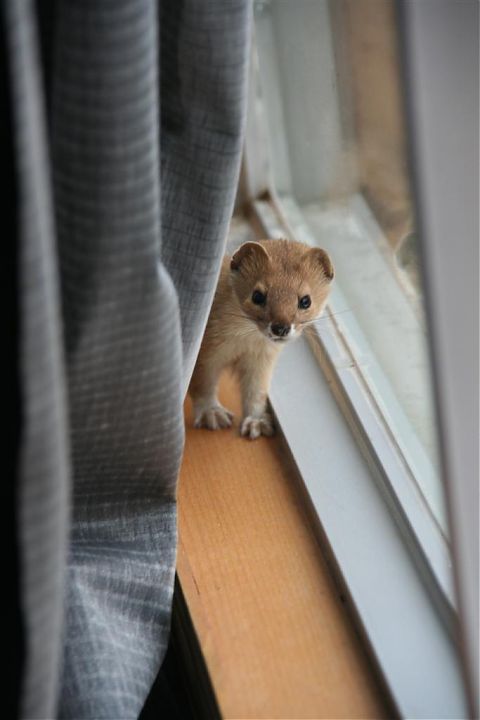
[(267, 293)]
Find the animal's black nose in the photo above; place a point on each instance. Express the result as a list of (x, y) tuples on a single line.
[(280, 330)]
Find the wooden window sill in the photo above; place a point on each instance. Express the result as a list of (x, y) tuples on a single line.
[(275, 636)]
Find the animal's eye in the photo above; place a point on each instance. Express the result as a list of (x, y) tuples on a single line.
[(259, 298), (304, 302)]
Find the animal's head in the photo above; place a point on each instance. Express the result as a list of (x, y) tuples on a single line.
[(281, 286)]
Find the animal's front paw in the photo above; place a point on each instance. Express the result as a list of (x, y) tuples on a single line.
[(252, 427), (214, 417)]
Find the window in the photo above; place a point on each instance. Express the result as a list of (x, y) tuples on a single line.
[(330, 89), (326, 163)]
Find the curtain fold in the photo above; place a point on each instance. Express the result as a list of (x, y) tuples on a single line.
[(146, 110)]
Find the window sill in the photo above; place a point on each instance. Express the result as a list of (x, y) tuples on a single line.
[(276, 638), (406, 634)]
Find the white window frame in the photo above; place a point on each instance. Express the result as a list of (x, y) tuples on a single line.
[(442, 61), (407, 609)]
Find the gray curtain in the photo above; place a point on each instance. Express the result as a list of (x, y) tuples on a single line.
[(126, 127)]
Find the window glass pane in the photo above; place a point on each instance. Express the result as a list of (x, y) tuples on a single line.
[(330, 86)]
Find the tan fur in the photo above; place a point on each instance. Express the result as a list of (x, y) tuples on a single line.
[(239, 333)]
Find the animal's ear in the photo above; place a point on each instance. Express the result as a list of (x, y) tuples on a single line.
[(320, 258), (249, 251)]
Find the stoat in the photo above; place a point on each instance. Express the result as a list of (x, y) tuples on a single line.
[(267, 293)]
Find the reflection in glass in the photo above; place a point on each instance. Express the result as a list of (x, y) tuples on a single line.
[(332, 95)]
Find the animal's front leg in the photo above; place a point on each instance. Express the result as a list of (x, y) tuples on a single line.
[(255, 376), (207, 411)]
